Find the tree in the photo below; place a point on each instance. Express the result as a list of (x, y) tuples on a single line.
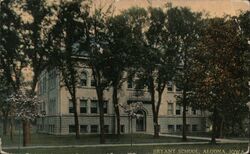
[(6, 108), (34, 39), (96, 45), (25, 107), (244, 21), (158, 61), (12, 57), (35, 36), (66, 39), (120, 44), (221, 74), (185, 26)]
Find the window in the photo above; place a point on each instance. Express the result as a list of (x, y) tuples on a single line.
[(177, 88), (178, 110), (52, 105), (139, 85), (105, 107), (93, 108), (83, 106), (72, 129), (187, 110), (106, 129), (194, 111), (71, 106), (170, 86), (92, 84), (194, 128), (122, 128), (84, 128), (83, 79), (170, 128), (170, 108), (51, 128), (178, 128), (188, 127), (94, 128), (45, 85), (130, 82), (52, 79)]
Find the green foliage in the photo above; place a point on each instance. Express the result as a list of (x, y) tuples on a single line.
[(221, 74), (12, 58), (65, 41), (244, 21), (35, 36), (5, 91)]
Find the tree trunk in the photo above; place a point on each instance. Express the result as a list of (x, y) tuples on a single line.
[(233, 128), (116, 107), (5, 124), (221, 127), (156, 125), (11, 128), (101, 114), (184, 118), (155, 115), (26, 133), (213, 139), (76, 117)]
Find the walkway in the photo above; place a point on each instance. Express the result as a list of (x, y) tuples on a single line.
[(220, 140)]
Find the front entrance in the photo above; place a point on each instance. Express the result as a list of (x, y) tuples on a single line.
[(141, 121)]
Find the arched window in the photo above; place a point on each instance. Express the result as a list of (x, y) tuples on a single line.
[(83, 79)]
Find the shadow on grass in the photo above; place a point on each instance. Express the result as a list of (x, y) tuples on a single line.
[(90, 139), (176, 149)]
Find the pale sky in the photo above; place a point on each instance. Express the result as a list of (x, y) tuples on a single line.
[(213, 7)]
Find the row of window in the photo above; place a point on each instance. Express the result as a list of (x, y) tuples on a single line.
[(85, 108), (130, 83), (84, 80), (170, 86), (92, 128), (178, 128), (93, 108), (50, 128), (178, 110), (95, 128)]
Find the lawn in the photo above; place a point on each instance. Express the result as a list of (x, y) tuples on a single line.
[(168, 149), (45, 139)]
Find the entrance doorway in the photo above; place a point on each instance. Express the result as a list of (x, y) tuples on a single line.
[(141, 121)]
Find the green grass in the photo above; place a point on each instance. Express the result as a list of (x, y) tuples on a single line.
[(169, 149), (45, 139)]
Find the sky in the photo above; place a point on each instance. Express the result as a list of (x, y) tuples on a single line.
[(212, 7)]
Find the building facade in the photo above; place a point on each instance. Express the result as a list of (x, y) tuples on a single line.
[(58, 109)]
